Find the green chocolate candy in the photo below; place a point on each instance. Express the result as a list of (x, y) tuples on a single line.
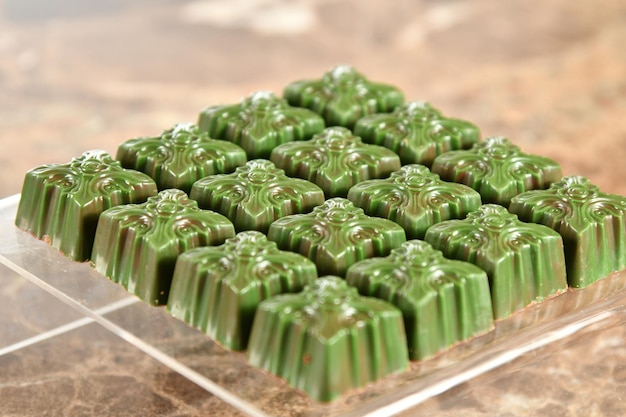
[(260, 123), (256, 194), (335, 160), (443, 301), (336, 235), (328, 339), (525, 262), (218, 289), (414, 198), (342, 96), (180, 156), (417, 132), (592, 224), (61, 203), (497, 169), (137, 245)]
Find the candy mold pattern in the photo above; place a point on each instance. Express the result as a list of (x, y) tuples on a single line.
[(259, 123), (338, 236), (443, 301), (61, 203), (343, 95), (417, 132), (592, 224), (497, 169), (180, 156), (415, 198), (525, 262), (335, 160), (137, 245), (329, 329), (256, 194)]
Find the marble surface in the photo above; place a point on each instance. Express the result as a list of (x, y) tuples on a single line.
[(78, 75)]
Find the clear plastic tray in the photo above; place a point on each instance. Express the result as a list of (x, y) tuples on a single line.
[(227, 375)]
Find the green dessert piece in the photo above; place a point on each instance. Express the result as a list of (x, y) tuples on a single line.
[(328, 339), (497, 169), (217, 289), (180, 156), (342, 96), (256, 194), (61, 203), (137, 245), (414, 198), (443, 301), (260, 123), (335, 160), (336, 235), (592, 224), (417, 132), (525, 262)]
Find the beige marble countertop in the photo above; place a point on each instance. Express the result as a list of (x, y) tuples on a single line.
[(78, 75)]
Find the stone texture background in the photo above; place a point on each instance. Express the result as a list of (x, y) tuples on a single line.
[(78, 75)]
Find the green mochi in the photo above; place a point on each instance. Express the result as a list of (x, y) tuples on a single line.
[(443, 301), (417, 132), (137, 245), (525, 262), (256, 194), (497, 169), (336, 235), (414, 198), (342, 96), (328, 339), (180, 156), (260, 123), (335, 160), (217, 289), (61, 203), (592, 224)]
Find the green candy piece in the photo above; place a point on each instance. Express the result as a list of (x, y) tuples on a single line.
[(218, 289), (180, 156), (260, 123), (592, 224), (414, 198), (497, 169), (525, 262), (342, 96), (256, 194), (61, 203), (336, 235), (443, 301), (417, 132), (137, 245), (335, 160), (328, 339)]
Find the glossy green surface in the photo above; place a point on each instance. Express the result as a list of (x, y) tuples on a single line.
[(497, 169), (180, 156), (343, 95), (336, 235), (335, 160), (414, 198), (259, 123), (256, 194), (443, 301), (328, 339), (217, 289), (61, 203), (417, 132), (592, 224), (137, 245), (525, 262)]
